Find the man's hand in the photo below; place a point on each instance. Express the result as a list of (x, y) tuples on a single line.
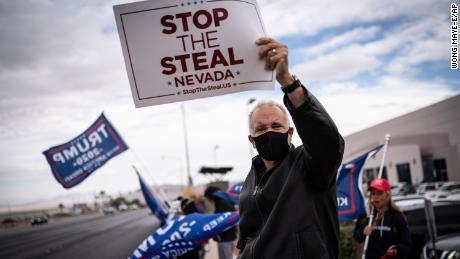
[(276, 57)]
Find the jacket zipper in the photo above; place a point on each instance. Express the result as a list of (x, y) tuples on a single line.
[(253, 252), (258, 208), (299, 246), (254, 193), (256, 190)]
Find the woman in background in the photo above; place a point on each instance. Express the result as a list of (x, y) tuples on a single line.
[(389, 233), (191, 203)]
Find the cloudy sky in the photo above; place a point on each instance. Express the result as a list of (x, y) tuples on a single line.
[(61, 65)]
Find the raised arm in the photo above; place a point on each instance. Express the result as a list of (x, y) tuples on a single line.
[(321, 140), (320, 137)]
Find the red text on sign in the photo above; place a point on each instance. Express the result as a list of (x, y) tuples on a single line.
[(199, 61), (201, 19)]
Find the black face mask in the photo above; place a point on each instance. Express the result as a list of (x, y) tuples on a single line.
[(272, 146)]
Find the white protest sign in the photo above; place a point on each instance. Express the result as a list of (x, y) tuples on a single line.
[(183, 50)]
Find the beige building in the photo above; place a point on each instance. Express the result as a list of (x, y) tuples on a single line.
[(424, 145)]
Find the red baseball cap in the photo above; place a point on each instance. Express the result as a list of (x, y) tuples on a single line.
[(380, 184)]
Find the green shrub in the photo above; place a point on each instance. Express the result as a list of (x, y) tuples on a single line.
[(349, 248)]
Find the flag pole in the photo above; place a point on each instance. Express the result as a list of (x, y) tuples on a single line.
[(163, 197), (387, 140), (371, 218)]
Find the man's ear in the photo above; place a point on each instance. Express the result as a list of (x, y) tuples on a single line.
[(290, 133), (253, 142)]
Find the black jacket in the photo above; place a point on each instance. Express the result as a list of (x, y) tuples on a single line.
[(291, 212), (391, 230), (188, 206), (222, 205)]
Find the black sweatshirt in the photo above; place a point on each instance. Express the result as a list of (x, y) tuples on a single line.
[(390, 230), (291, 211), (222, 205)]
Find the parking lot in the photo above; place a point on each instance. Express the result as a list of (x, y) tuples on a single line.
[(445, 198)]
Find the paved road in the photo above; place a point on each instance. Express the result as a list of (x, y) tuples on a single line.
[(111, 236)]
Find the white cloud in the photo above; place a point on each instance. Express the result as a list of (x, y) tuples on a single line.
[(356, 107), (348, 37), (289, 17), (339, 65), (57, 45), (422, 42), (403, 48)]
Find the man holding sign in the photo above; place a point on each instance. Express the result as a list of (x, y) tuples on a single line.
[(176, 51), (288, 201)]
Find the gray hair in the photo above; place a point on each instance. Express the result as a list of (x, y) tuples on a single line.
[(271, 104)]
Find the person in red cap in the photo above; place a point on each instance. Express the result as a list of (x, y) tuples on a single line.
[(389, 233)]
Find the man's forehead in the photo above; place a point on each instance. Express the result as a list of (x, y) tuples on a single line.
[(268, 112)]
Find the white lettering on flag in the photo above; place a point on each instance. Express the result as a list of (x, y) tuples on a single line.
[(342, 201)]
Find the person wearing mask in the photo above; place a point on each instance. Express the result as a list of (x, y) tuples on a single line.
[(288, 203), (226, 238), (389, 232)]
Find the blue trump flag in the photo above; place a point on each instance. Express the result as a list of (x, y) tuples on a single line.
[(350, 198), (155, 206), (232, 194), (183, 234), (235, 189), (228, 197), (75, 160)]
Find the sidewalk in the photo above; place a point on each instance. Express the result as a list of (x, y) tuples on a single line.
[(211, 250)]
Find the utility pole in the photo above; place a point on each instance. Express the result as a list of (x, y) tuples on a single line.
[(187, 159)]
